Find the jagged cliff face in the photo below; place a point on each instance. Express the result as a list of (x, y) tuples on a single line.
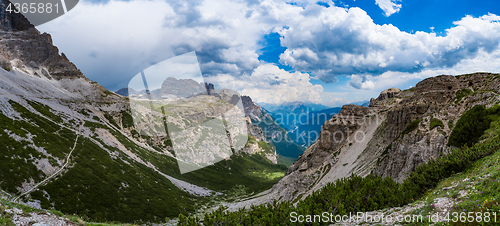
[(399, 131), (392, 150), (12, 21), (25, 49), (433, 99)]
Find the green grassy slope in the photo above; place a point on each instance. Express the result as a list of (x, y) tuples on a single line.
[(16, 160), (252, 171), (100, 187), (93, 185)]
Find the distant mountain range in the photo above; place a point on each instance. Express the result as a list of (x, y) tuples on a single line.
[(293, 106), (303, 121), (171, 87)]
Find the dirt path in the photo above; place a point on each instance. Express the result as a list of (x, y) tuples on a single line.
[(51, 176)]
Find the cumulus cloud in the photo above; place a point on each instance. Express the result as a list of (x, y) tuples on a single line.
[(270, 84), (113, 40), (361, 82), (117, 39), (346, 42), (483, 62), (389, 6)]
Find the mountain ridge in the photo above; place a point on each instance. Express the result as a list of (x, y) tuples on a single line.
[(399, 131), (114, 173)]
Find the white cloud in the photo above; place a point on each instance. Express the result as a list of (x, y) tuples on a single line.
[(484, 62), (113, 41), (388, 6), (270, 84), (362, 82), (339, 42)]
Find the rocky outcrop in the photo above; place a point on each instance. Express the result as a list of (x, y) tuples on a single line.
[(387, 147), (334, 134), (389, 93), (25, 49), (337, 146), (181, 87), (12, 21), (252, 110), (433, 99)]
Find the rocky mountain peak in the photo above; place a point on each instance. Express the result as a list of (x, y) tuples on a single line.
[(294, 106), (252, 110), (388, 93), (23, 48), (12, 21), (181, 87)]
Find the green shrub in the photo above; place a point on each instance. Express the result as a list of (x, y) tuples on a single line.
[(127, 120), (412, 126), (167, 142), (461, 94), (110, 119), (412, 89), (471, 125), (264, 146), (436, 122), (386, 150)]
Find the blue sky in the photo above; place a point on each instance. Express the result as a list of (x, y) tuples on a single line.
[(328, 52)]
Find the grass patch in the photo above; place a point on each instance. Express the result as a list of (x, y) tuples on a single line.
[(479, 181), (105, 189), (286, 161), (412, 89), (127, 120), (110, 119), (412, 126), (265, 146), (451, 124), (462, 94), (45, 110), (435, 123), (18, 156), (251, 171)]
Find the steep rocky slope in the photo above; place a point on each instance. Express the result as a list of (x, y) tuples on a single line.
[(79, 139), (399, 131)]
